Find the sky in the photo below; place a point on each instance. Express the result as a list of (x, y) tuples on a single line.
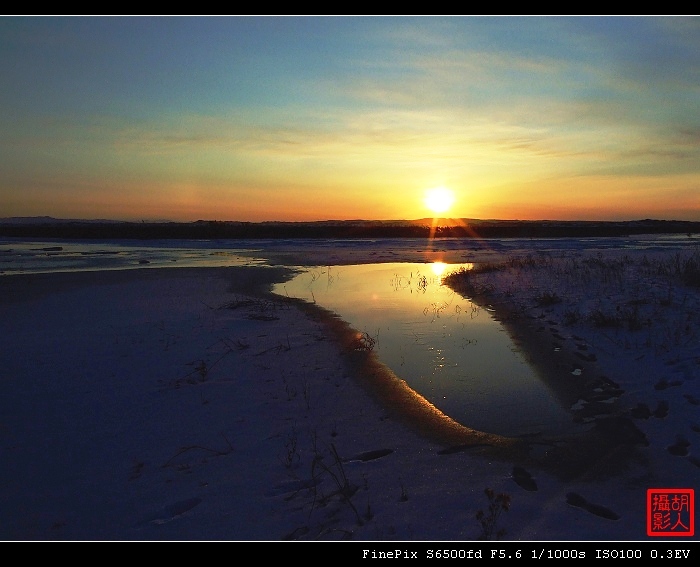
[(320, 118)]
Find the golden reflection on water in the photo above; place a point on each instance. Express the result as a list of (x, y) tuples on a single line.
[(445, 347), (438, 268), (441, 269)]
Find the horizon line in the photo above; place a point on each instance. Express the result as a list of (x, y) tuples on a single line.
[(442, 221)]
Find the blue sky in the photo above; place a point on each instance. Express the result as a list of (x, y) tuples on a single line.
[(313, 118)]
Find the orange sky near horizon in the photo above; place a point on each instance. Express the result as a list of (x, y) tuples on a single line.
[(319, 118)]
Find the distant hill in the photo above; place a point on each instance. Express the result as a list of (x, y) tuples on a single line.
[(48, 227), (53, 220)]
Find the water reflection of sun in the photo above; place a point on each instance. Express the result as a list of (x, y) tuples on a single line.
[(438, 268)]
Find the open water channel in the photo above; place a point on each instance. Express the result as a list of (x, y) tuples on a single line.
[(447, 348)]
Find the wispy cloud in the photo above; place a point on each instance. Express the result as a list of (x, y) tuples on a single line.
[(381, 103)]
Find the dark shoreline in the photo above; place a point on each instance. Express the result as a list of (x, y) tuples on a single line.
[(424, 228)]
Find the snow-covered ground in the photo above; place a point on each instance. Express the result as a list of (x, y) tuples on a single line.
[(184, 404)]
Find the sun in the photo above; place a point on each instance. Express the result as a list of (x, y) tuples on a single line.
[(439, 199)]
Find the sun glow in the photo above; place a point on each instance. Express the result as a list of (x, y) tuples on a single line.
[(438, 268), (439, 199)]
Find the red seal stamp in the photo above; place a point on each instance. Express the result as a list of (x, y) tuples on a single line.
[(670, 512)]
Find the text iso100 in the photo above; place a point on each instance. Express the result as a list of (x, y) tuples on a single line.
[(618, 553)]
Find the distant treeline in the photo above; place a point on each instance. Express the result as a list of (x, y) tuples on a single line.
[(212, 230)]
